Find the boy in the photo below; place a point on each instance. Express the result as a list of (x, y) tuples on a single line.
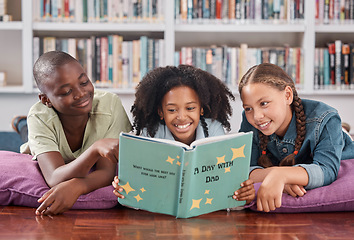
[(71, 129)]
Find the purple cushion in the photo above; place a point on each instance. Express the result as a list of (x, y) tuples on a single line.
[(338, 196), (22, 184)]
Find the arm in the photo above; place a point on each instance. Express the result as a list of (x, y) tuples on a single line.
[(56, 171), (62, 197), (274, 181), (326, 148)]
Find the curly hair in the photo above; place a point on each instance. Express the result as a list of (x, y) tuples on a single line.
[(213, 94), (276, 77)]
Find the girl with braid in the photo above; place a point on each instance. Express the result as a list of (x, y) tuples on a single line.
[(297, 144), (184, 104)]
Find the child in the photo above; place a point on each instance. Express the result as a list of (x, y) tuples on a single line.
[(297, 145), (71, 129), (183, 103)]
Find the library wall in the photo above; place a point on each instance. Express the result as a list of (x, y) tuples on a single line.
[(312, 29), (19, 104)]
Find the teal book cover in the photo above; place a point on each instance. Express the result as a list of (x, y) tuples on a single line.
[(169, 177)]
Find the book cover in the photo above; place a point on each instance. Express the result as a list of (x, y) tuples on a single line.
[(172, 178)]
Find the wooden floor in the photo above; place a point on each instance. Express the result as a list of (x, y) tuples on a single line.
[(123, 223)]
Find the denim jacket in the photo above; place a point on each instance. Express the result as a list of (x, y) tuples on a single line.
[(325, 144)]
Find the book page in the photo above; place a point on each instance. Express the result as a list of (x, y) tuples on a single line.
[(215, 139)]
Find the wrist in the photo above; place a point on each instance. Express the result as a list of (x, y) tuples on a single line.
[(79, 186)]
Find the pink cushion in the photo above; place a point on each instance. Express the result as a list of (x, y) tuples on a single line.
[(22, 184), (338, 196)]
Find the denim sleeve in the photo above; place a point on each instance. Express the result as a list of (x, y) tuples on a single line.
[(326, 154), (315, 173)]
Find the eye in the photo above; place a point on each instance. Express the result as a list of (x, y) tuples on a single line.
[(264, 104), (190, 108), (67, 93), (247, 109), (85, 83), (171, 110)]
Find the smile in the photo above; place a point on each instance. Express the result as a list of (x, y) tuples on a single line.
[(83, 103), (264, 125), (183, 126)]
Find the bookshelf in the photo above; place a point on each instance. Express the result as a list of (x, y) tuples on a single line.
[(16, 46)]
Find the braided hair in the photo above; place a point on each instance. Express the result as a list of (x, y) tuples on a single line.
[(213, 95), (276, 77)]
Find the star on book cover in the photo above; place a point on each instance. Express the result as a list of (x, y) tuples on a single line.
[(169, 177)]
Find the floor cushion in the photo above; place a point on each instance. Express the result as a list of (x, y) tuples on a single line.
[(338, 196), (22, 184)]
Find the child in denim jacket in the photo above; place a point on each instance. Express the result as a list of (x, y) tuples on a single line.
[(297, 145)]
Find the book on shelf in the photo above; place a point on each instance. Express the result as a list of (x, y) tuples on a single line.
[(103, 57), (229, 11), (334, 11), (97, 11), (231, 63), (172, 178), (337, 66), (351, 65)]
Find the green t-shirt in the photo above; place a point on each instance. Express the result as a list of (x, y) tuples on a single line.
[(45, 131)]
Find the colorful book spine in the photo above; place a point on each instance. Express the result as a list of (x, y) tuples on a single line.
[(338, 63)]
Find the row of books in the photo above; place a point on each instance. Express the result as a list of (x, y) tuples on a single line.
[(4, 17), (230, 11), (334, 11), (334, 66), (98, 10), (108, 60), (231, 63)]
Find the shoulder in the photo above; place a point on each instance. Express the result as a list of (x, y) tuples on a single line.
[(215, 127), (42, 112), (317, 110), (212, 123), (105, 101)]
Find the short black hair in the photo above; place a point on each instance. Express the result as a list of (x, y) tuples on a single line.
[(47, 63), (213, 94)]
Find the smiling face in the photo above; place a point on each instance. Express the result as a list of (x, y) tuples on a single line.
[(267, 108), (181, 110), (68, 90)]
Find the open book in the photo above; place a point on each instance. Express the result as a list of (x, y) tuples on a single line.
[(170, 177)]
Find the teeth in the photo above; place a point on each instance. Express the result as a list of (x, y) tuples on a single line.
[(183, 126), (264, 124)]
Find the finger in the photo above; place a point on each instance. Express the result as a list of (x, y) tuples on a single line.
[(116, 179), (299, 191), (247, 183), (271, 204), (45, 196), (115, 185), (43, 207), (259, 204), (278, 201), (118, 194), (291, 192), (265, 206)]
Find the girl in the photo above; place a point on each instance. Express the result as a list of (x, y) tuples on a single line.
[(183, 103), (297, 145)]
